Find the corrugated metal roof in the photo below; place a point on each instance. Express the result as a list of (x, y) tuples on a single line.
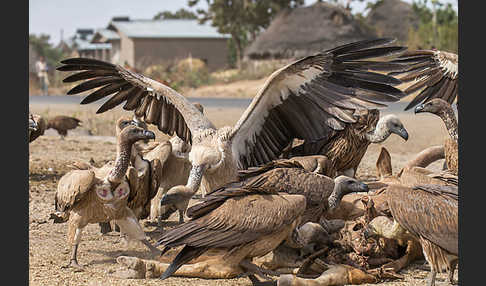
[(108, 34), (81, 44), (173, 28)]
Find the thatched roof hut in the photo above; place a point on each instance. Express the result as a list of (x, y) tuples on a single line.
[(392, 18), (307, 30)]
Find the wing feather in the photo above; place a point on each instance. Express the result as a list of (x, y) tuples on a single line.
[(138, 91), (313, 97), (435, 74), (72, 188), (428, 211)]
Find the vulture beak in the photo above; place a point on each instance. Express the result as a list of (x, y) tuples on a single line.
[(360, 187), (419, 108), (148, 134), (403, 133), (32, 125)]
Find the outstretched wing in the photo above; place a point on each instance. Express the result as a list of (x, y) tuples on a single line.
[(313, 97), (150, 100), (434, 73), (428, 211)]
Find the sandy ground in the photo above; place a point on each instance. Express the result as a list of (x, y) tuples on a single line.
[(49, 157)]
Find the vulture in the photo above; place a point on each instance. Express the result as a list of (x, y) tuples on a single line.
[(100, 195), (62, 124), (434, 74), (322, 193), (430, 213), (40, 126), (444, 110), (143, 176), (242, 219), (412, 173), (346, 148), (179, 196), (309, 99)]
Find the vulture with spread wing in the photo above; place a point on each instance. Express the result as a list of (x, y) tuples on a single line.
[(434, 74), (310, 99)]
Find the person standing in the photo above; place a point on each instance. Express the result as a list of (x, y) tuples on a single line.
[(41, 69)]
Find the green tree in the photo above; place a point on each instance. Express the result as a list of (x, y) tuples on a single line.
[(179, 14), (438, 27), (242, 19)]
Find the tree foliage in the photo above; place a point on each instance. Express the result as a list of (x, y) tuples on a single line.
[(43, 48), (438, 31), (242, 19), (179, 14)]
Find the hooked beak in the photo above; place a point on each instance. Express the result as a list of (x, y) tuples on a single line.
[(362, 187), (419, 108), (148, 134), (403, 133)]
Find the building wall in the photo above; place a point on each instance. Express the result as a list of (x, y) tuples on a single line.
[(126, 50), (150, 51), (115, 52)]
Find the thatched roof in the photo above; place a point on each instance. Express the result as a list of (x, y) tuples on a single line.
[(392, 18), (307, 30)]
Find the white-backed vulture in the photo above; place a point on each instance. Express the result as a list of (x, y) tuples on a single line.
[(434, 73), (346, 148), (41, 126), (412, 173), (430, 213), (444, 110), (100, 195), (310, 99), (322, 193), (227, 229)]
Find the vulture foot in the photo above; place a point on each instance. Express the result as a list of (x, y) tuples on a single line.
[(74, 265), (251, 268)]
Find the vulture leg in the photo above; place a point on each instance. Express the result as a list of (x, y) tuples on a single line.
[(105, 227), (181, 216), (207, 269), (335, 275), (431, 278), (132, 228), (74, 238), (453, 266)]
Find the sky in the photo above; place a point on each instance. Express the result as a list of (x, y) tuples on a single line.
[(52, 16)]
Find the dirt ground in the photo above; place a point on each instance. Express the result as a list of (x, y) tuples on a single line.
[(48, 160)]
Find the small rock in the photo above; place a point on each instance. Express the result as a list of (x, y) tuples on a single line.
[(50, 169)]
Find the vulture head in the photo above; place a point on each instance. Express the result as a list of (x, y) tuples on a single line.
[(387, 125), (32, 124), (435, 106), (132, 134), (344, 185), (211, 153), (126, 121)]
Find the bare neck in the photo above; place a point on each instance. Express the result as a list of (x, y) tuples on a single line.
[(123, 152), (447, 115)]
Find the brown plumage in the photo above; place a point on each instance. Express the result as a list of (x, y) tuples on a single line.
[(40, 126), (434, 75), (100, 194), (346, 148), (429, 212), (244, 219), (444, 110), (179, 196), (413, 173), (62, 124), (329, 86), (322, 193)]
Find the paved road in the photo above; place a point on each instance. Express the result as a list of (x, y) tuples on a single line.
[(396, 107)]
